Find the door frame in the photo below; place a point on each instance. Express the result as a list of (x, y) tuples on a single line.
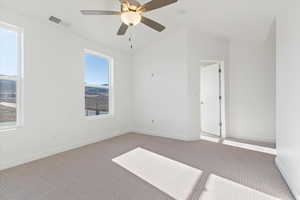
[(222, 92)]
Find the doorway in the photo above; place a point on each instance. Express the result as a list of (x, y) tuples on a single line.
[(212, 99)]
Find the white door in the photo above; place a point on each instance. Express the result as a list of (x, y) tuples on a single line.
[(210, 102)]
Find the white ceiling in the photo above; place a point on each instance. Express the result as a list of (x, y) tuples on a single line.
[(234, 19)]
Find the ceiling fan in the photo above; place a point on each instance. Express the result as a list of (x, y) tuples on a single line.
[(131, 13)]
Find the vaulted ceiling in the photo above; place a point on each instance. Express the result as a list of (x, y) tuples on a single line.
[(248, 20)]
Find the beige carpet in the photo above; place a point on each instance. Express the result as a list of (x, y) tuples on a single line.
[(88, 173)]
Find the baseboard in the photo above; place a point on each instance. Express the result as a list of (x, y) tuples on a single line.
[(287, 178), (160, 134), (53, 151), (261, 139)]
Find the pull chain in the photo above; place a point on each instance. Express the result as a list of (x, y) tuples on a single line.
[(130, 42)]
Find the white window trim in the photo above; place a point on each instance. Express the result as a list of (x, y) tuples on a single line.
[(20, 76), (110, 86)]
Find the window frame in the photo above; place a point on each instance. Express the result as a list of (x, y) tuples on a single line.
[(110, 113), (20, 76)]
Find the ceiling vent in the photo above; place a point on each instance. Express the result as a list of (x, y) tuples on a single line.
[(55, 20)]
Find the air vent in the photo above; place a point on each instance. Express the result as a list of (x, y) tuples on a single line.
[(55, 20)]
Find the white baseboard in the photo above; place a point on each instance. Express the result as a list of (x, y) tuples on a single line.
[(53, 151), (163, 134), (258, 139), (287, 178)]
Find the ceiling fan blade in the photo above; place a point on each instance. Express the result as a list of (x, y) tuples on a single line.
[(155, 4), (152, 24), (122, 30), (100, 12)]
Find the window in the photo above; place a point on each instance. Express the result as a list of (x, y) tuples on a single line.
[(98, 84), (10, 76)]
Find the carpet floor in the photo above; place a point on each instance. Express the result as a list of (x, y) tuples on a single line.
[(88, 173)]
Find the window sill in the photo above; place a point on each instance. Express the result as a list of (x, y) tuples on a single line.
[(97, 117)]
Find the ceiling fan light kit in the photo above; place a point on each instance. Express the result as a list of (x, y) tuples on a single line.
[(131, 18), (131, 13)]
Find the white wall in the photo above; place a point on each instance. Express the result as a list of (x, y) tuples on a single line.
[(54, 118), (252, 90), (288, 95), (172, 97), (163, 97)]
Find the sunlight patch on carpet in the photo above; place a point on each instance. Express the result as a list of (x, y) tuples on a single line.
[(221, 188), (251, 147), (174, 178)]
